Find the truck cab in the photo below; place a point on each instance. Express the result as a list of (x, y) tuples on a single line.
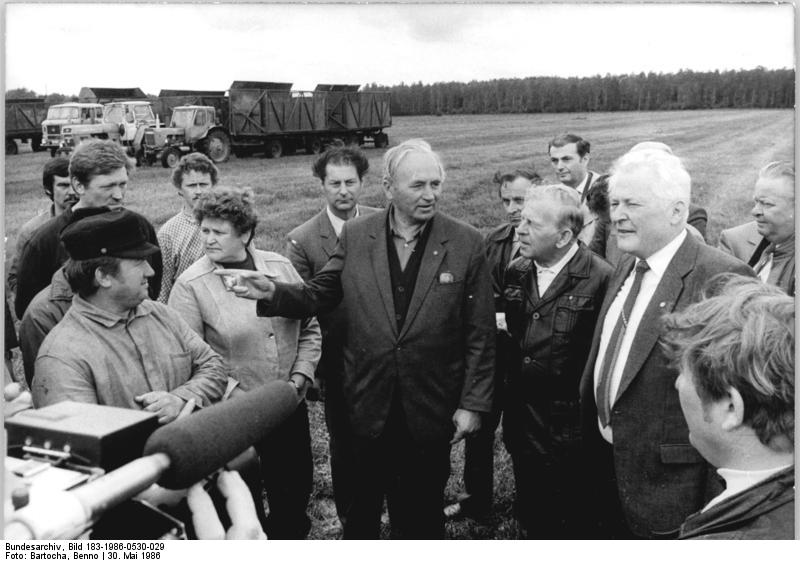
[(130, 116), (62, 117)]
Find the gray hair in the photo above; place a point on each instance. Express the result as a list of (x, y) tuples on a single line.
[(669, 181), (570, 214), (778, 169), (395, 155)]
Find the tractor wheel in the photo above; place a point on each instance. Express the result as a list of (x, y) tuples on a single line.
[(170, 157), (218, 147), (11, 147), (274, 148), (36, 144), (381, 140), (313, 146)]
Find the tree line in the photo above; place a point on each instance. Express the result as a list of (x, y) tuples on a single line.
[(686, 89)]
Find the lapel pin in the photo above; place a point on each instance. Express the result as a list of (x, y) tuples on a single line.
[(445, 278), (662, 304), (436, 252)]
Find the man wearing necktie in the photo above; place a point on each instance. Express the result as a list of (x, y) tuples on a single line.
[(645, 476), (552, 297), (773, 209)]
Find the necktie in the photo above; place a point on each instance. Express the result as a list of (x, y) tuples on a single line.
[(614, 344), (761, 268)]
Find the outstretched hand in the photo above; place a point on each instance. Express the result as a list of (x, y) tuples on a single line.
[(466, 422), (245, 283)]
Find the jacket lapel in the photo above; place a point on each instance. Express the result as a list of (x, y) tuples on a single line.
[(664, 299), (435, 251), (379, 258), (327, 235)]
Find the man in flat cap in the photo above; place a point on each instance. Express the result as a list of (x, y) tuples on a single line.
[(115, 346)]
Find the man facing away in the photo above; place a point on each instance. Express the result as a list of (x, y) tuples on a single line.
[(341, 171), (179, 237), (98, 171), (631, 416), (419, 347), (115, 346), (552, 296), (58, 187), (735, 353)]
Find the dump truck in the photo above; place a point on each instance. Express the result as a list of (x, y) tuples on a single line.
[(24, 119), (61, 118), (273, 119)]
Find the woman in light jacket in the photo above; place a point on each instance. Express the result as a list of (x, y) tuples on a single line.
[(257, 350)]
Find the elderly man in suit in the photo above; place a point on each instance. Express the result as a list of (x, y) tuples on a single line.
[(419, 342), (340, 171), (632, 418), (740, 241)]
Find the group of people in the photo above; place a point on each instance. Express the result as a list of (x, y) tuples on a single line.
[(626, 358)]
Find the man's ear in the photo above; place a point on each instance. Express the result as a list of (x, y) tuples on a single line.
[(102, 279), (586, 158), (77, 187), (565, 238), (733, 416), (387, 189), (678, 211)]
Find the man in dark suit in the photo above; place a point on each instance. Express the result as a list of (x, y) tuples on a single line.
[(502, 246), (632, 418), (341, 172), (552, 295), (419, 342), (740, 241)]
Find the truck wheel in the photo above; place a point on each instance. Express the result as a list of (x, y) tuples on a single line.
[(381, 140), (218, 147), (274, 148), (11, 147), (36, 144), (313, 146), (170, 157)]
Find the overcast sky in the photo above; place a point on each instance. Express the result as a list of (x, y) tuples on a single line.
[(60, 48)]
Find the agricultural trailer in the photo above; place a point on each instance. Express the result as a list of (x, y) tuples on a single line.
[(24, 119)]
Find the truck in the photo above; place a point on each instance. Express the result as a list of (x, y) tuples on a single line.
[(273, 119), (62, 117), (123, 121), (24, 119)]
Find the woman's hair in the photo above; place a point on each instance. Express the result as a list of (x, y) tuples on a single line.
[(232, 204)]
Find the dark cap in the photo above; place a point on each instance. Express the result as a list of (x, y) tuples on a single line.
[(118, 234)]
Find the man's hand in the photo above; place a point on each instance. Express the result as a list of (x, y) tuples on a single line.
[(302, 383), (466, 422), (254, 285), (167, 406), (16, 399), (238, 503)]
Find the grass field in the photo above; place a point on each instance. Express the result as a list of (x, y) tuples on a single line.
[(722, 150)]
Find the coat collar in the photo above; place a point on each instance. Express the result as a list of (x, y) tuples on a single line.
[(502, 233)]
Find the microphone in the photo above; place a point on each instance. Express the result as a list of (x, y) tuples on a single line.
[(175, 456), (199, 444)]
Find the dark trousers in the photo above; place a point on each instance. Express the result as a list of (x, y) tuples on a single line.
[(341, 447), (411, 475), (287, 473), (479, 466)]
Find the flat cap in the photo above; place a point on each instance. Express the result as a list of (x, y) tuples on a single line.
[(116, 233)]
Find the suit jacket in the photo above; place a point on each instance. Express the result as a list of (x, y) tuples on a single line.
[(661, 478), (740, 241), (441, 359), (309, 248)]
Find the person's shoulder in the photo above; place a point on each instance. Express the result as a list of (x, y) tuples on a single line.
[(271, 257), (458, 228), (64, 338), (171, 224), (306, 229), (33, 223), (364, 210), (597, 265), (743, 231), (48, 232), (200, 268)]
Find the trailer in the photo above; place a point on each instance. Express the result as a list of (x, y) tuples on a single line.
[(271, 118), (24, 118)]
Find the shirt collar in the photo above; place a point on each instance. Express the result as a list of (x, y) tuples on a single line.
[(104, 317), (336, 222), (188, 215), (660, 260), (414, 232), (738, 480), (581, 187), (559, 265)]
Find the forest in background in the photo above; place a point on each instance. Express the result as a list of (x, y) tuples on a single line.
[(687, 89)]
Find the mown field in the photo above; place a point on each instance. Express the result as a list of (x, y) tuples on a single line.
[(722, 149)]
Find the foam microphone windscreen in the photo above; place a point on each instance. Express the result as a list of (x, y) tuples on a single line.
[(204, 441)]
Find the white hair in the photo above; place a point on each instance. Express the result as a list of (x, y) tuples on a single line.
[(395, 155), (668, 179)]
